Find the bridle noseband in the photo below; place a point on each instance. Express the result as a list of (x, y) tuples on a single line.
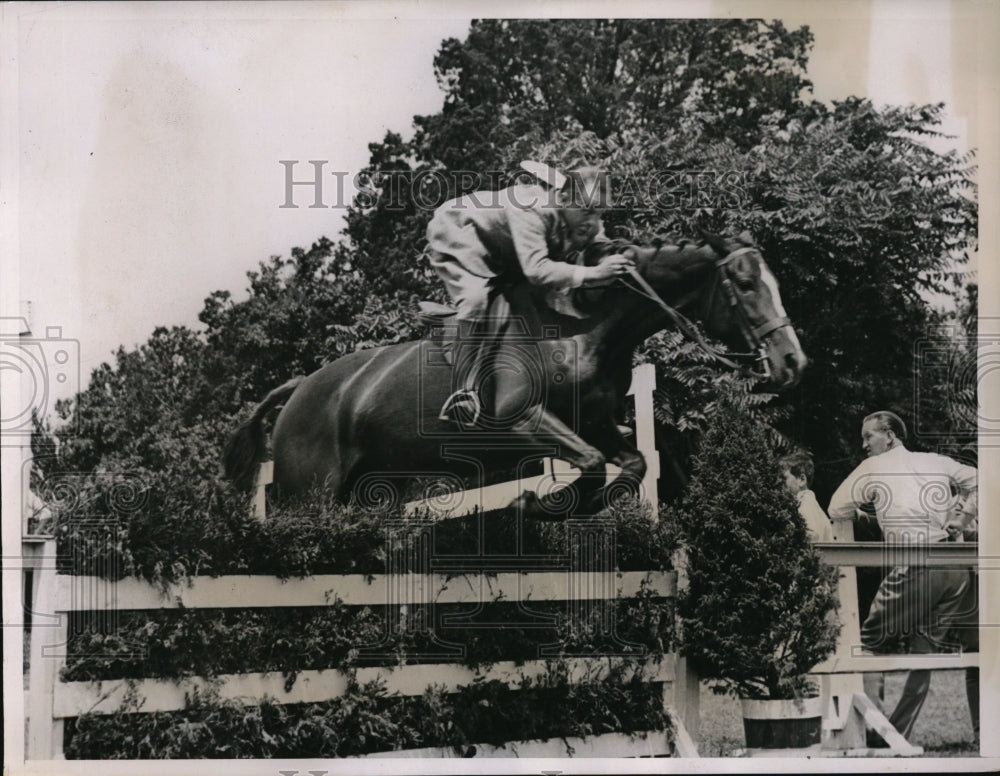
[(755, 336)]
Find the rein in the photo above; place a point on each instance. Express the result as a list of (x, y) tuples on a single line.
[(754, 335)]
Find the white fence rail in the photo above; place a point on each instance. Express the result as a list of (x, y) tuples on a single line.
[(53, 701)]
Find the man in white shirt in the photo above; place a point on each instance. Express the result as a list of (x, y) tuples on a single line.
[(914, 499)]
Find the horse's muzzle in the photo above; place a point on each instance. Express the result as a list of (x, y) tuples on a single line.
[(780, 361)]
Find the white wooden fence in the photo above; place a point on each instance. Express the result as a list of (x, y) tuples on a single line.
[(52, 701), (849, 710)]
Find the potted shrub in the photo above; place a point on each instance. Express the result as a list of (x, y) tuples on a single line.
[(757, 612)]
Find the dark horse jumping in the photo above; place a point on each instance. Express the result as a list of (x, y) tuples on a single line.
[(557, 382)]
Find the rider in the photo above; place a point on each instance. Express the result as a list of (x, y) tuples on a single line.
[(481, 241)]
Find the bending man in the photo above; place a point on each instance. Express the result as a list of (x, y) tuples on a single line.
[(912, 494)]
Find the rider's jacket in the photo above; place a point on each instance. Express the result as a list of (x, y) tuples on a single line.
[(512, 232)]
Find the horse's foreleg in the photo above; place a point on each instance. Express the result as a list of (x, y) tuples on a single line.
[(542, 427), (606, 437)]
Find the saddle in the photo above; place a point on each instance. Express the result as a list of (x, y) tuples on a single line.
[(439, 321), (440, 324)]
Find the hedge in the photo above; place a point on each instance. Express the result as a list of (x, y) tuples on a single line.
[(328, 538)]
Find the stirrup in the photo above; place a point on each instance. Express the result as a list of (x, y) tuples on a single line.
[(459, 399)]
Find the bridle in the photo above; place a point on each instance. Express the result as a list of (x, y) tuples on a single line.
[(754, 336)]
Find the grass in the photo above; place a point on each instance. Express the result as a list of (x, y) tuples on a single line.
[(943, 729)]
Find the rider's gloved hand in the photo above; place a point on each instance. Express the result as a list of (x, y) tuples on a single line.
[(610, 267)]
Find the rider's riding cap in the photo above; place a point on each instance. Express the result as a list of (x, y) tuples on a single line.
[(583, 187), (587, 187)]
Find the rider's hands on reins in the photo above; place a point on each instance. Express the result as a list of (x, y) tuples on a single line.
[(609, 268)]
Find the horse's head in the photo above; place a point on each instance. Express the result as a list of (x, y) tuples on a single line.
[(737, 300)]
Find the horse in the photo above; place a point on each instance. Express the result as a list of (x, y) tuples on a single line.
[(368, 422)]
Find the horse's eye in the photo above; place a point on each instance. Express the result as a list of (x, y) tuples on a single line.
[(744, 281), (743, 275)]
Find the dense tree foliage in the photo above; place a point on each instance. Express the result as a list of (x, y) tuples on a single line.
[(514, 78)]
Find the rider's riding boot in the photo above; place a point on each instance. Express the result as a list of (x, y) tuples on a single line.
[(464, 405)]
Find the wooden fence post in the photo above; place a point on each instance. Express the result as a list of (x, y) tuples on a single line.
[(48, 644), (643, 384), (842, 729), (265, 476), (687, 686)]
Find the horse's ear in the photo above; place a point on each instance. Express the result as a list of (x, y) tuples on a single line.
[(746, 237), (717, 242)]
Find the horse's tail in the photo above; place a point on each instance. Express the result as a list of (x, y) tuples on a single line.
[(246, 447)]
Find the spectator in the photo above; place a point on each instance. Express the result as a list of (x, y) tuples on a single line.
[(798, 470), (911, 493)]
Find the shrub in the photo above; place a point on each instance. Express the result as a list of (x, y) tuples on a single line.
[(756, 613), (367, 719), (325, 538)]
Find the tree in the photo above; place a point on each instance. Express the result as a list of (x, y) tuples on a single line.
[(520, 78), (863, 223)]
